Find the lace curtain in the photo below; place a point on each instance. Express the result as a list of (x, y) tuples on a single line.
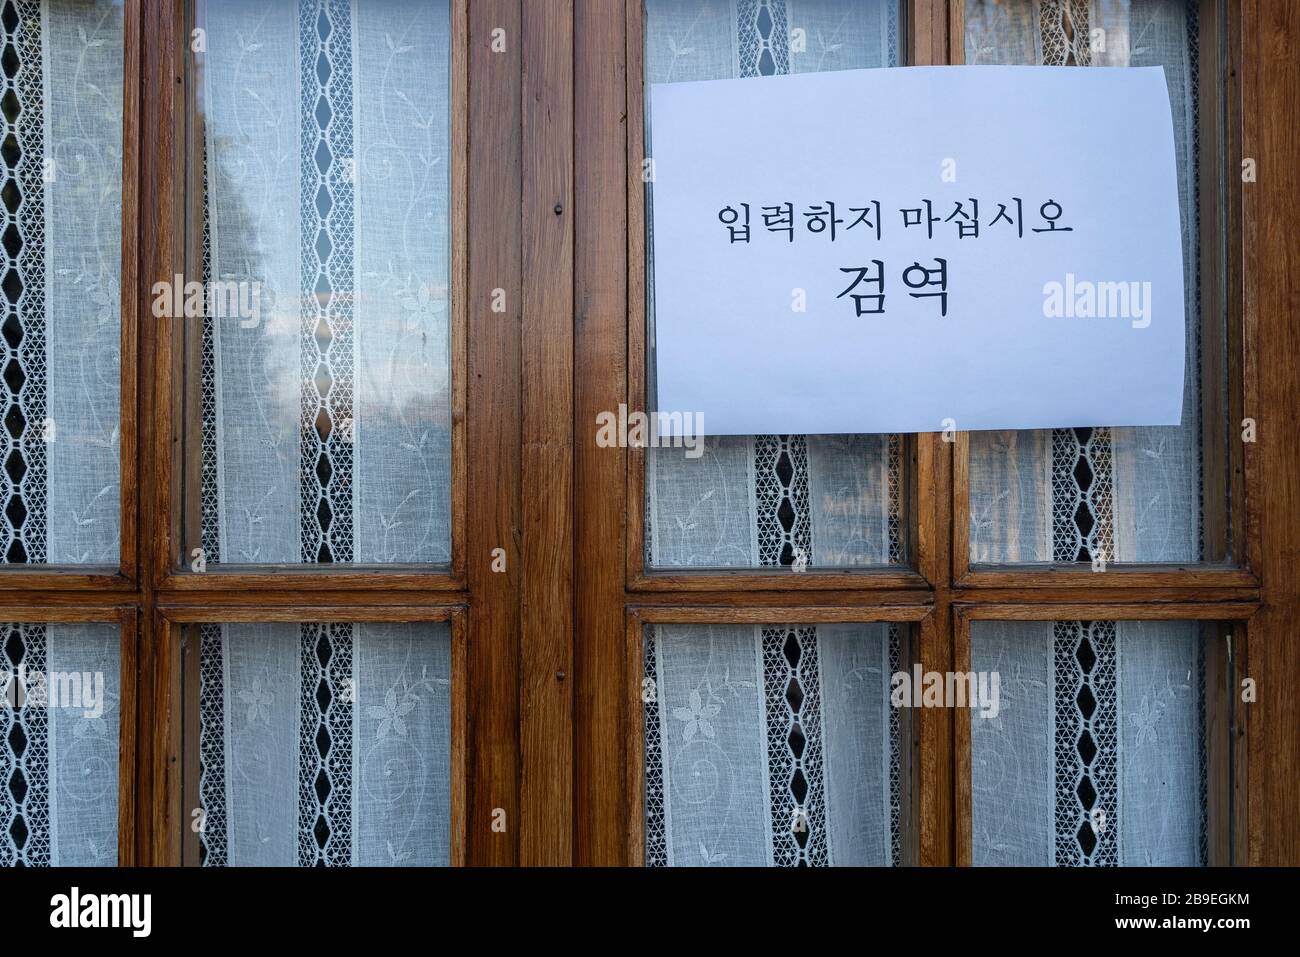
[(1121, 494), (326, 422), (1097, 755), (325, 744), (771, 745), (59, 713), (325, 425), (776, 500), (62, 170)]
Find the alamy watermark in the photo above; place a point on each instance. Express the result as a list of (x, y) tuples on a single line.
[(218, 298), (948, 689), (1085, 299), (72, 690), (639, 430)]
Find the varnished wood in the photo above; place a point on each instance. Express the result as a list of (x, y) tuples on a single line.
[(128, 735), (546, 689), (1219, 733), (1270, 210), (781, 579), (600, 362), (794, 614), (930, 43), (961, 777), (494, 189), (634, 458), (161, 85), (1097, 611)]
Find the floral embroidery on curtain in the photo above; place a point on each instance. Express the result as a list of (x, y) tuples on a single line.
[(1097, 756), (59, 744), (60, 110), (771, 746)]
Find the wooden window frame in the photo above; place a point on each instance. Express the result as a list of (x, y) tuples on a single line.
[(173, 347), (916, 804), (123, 577), (482, 606), (1227, 468)]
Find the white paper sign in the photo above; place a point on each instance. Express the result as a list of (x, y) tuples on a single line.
[(1023, 221)]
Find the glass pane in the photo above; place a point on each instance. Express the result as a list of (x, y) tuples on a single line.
[(319, 744), (772, 500), (1097, 754), (1150, 494), (318, 385), (62, 253), (773, 745), (61, 687)]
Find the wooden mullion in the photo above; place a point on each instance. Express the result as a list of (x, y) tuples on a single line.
[(930, 42), (600, 363), (637, 276), (546, 632), (494, 191)]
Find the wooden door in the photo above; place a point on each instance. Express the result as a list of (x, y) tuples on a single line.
[(966, 551)]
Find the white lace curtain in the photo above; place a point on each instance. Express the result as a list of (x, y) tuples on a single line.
[(325, 744), (1097, 755), (60, 691), (787, 500), (1122, 494), (771, 745), (60, 281), (326, 425)]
